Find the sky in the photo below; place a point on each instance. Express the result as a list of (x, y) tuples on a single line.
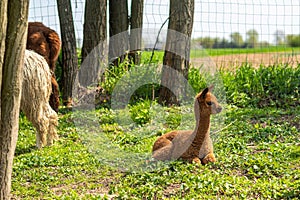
[(214, 18)]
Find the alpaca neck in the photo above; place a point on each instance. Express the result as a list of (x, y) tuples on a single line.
[(201, 131)]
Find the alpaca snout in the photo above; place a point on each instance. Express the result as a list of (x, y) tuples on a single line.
[(219, 109), (216, 109)]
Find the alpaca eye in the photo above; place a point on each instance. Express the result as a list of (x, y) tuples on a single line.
[(209, 103)]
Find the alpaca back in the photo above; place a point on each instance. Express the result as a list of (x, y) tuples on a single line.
[(36, 82), (36, 90), (44, 41)]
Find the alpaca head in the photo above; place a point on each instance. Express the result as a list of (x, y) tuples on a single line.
[(206, 103)]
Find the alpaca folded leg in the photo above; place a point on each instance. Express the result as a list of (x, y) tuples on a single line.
[(160, 143), (163, 153), (208, 158)]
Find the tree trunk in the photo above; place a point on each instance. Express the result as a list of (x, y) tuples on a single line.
[(11, 83), (136, 24), (4, 181), (3, 25), (177, 52), (69, 51), (94, 29), (118, 30), (94, 39)]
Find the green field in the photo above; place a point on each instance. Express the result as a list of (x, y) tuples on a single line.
[(256, 141), (196, 53)]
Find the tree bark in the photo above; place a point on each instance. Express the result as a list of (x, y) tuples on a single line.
[(69, 51), (3, 25), (15, 14), (136, 25), (94, 29), (4, 187), (118, 30), (94, 41), (177, 52)]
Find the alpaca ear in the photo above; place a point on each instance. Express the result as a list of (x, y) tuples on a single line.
[(204, 92), (210, 88)]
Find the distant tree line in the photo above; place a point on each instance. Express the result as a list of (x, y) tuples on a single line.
[(252, 40), (293, 40)]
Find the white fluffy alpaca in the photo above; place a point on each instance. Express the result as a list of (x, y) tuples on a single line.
[(36, 91)]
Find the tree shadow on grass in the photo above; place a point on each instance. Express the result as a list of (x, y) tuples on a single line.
[(25, 150)]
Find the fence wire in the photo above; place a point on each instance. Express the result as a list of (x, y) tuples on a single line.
[(223, 29)]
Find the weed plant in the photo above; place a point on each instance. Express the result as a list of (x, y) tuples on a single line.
[(276, 85)]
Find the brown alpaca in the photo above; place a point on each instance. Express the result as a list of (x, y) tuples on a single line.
[(191, 145), (46, 42)]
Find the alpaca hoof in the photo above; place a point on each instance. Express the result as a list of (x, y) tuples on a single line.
[(196, 160), (209, 158)]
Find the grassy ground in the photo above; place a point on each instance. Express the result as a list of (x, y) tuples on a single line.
[(258, 154), (256, 141)]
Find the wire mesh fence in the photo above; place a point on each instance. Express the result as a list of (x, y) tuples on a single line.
[(229, 31)]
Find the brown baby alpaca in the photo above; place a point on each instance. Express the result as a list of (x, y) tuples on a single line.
[(46, 42), (191, 145)]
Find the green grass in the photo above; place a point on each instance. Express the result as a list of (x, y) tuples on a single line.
[(256, 140), (258, 152), (158, 55)]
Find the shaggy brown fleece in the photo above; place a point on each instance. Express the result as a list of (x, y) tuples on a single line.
[(46, 42)]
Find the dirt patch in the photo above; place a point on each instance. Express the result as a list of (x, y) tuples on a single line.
[(102, 190), (256, 59), (292, 119), (172, 190)]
